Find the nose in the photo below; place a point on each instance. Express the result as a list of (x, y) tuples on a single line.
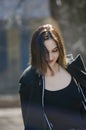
[(50, 56)]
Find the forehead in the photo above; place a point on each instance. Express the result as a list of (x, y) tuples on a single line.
[(50, 44)]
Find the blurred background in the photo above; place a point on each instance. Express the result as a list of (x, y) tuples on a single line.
[(18, 20)]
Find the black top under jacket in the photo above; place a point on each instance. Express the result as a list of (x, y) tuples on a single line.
[(31, 92)]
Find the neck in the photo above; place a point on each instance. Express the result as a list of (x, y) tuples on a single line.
[(54, 71)]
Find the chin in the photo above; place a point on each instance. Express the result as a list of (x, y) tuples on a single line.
[(52, 65)]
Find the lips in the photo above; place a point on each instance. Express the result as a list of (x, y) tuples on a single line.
[(50, 61)]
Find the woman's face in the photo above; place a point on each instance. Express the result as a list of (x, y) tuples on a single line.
[(52, 52)]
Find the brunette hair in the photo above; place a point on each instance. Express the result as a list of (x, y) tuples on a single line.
[(38, 50)]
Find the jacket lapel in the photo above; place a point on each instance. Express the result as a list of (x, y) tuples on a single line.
[(77, 70)]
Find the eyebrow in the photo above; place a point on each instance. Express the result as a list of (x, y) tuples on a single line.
[(52, 49)]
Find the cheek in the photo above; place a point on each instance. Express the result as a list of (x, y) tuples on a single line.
[(57, 55)]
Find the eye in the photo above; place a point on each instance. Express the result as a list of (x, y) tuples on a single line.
[(55, 50)]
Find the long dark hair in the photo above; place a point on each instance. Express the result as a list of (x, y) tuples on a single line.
[(38, 50)]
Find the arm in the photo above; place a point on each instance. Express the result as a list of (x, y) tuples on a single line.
[(24, 97), (30, 98)]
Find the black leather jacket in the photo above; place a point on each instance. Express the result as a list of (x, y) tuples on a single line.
[(32, 95)]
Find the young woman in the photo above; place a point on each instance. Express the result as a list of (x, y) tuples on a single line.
[(52, 91)]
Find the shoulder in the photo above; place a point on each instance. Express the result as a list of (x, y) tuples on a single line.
[(77, 63), (77, 69), (27, 80), (28, 75)]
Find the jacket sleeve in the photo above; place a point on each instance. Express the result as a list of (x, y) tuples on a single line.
[(25, 93), (24, 99)]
